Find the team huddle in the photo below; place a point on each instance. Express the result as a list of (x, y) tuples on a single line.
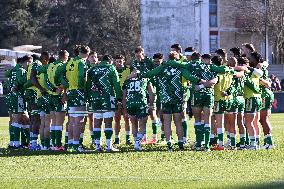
[(225, 96)]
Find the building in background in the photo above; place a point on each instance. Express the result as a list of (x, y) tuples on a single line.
[(204, 24), (165, 22)]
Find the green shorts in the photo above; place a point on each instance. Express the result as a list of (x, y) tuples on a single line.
[(76, 98), (56, 104), (221, 106), (137, 111), (31, 99), (252, 105), (171, 108), (17, 104), (267, 102), (237, 105), (103, 104), (202, 100), (44, 104)]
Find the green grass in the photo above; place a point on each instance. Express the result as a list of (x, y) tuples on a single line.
[(154, 168)]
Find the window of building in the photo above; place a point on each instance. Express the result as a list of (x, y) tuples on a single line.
[(213, 37), (213, 13)]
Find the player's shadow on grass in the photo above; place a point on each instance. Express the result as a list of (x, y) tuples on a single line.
[(4, 152)]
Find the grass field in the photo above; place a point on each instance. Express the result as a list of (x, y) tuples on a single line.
[(153, 168)]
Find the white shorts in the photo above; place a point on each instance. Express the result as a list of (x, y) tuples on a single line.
[(101, 115), (77, 111)]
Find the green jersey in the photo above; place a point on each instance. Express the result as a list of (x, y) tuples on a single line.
[(136, 92), (16, 78), (33, 67), (169, 76), (73, 74), (251, 88), (43, 78), (144, 66), (265, 92), (103, 84), (237, 87)]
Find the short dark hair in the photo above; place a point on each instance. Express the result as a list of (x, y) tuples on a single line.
[(44, 55), (35, 57), (85, 49), (172, 56), (195, 56), (119, 56), (256, 56), (217, 60), (92, 53), (19, 60), (177, 47), (236, 51), (221, 52), (206, 56), (138, 49), (62, 53), (189, 49), (249, 46), (76, 50), (243, 61), (158, 56), (107, 57), (52, 59), (27, 58)]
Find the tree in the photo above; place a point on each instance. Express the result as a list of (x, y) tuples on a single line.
[(259, 15), (20, 22), (106, 26)]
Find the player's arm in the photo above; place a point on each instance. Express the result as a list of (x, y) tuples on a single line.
[(265, 82), (251, 85), (22, 77), (88, 86), (116, 84), (239, 74), (34, 80), (124, 96), (152, 94), (81, 75), (187, 75), (219, 69)]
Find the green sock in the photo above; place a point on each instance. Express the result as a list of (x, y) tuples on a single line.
[(242, 139), (75, 144), (198, 131), (108, 133), (66, 138), (247, 138), (155, 127), (27, 134), (53, 135), (185, 128), (58, 138), (12, 134), (23, 137), (202, 132), (47, 142), (127, 137), (207, 132), (92, 135), (233, 140), (97, 134), (163, 135), (269, 140), (17, 132), (215, 139), (221, 137)]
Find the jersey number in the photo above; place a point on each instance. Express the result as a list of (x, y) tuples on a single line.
[(134, 86)]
